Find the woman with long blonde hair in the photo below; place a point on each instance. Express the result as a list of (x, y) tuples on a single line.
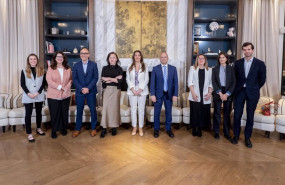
[(33, 82)]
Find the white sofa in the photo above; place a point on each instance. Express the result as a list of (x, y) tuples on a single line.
[(5, 108), (186, 109), (261, 122), (125, 109), (176, 112), (280, 118), (17, 114)]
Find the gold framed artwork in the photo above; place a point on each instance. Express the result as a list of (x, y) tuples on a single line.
[(196, 48)]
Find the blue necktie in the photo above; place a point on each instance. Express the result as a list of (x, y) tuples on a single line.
[(165, 88)]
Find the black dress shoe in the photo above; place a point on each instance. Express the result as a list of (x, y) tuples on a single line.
[(64, 133), (53, 135), (194, 131), (103, 132), (216, 136), (114, 131), (228, 138), (248, 143), (235, 140), (156, 134), (199, 132), (170, 133)]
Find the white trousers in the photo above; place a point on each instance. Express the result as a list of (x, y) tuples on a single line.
[(137, 107)]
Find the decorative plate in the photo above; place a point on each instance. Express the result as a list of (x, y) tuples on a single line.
[(214, 26)]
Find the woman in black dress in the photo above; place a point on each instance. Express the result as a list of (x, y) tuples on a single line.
[(200, 85)]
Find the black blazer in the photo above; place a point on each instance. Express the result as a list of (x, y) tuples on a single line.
[(230, 80), (255, 79)]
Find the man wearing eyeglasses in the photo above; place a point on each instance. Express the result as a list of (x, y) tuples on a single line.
[(85, 77)]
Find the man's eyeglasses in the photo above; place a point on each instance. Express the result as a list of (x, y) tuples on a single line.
[(84, 53)]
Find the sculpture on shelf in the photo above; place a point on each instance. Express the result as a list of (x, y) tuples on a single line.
[(230, 33), (75, 50), (229, 52)]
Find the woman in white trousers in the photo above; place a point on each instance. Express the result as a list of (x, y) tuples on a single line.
[(137, 80)]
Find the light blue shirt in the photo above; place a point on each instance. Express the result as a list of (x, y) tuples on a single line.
[(222, 75), (247, 65), (85, 66)]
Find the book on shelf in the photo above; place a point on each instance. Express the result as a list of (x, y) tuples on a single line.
[(49, 47)]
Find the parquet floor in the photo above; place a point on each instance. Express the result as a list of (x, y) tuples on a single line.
[(126, 159)]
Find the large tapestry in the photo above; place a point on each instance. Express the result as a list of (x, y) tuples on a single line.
[(141, 26)]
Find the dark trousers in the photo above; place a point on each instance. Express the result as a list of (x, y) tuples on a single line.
[(217, 115), (59, 114), (29, 111), (168, 109), (240, 99), (91, 101)]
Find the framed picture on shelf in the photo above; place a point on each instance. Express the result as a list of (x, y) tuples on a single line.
[(196, 48), (197, 31)]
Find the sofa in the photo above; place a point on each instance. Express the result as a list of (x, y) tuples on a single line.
[(280, 118), (5, 108)]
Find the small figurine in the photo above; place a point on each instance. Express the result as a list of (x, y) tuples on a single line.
[(229, 52), (75, 50), (230, 33)]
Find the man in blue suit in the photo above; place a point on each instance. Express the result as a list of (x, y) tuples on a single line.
[(250, 77), (85, 77), (163, 88)]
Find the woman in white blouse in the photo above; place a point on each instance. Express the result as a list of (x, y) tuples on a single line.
[(137, 80), (200, 85)]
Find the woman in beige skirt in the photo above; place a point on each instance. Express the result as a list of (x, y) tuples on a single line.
[(112, 75)]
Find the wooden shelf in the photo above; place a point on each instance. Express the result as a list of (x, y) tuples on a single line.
[(69, 1), (219, 20), (67, 37), (214, 56), (205, 38), (65, 18), (67, 54)]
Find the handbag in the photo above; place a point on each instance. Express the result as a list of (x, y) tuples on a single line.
[(265, 109)]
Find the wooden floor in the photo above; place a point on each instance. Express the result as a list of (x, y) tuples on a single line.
[(126, 159)]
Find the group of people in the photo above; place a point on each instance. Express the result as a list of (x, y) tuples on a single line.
[(240, 82)]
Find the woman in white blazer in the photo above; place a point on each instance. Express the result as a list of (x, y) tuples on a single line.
[(200, 85), (137, 80)]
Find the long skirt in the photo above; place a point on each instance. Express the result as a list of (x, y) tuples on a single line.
[(111, 116)]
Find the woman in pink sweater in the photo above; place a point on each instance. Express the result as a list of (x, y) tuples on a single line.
[(59, 79)]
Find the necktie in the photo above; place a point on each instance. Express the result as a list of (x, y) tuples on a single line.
[(165, 88)]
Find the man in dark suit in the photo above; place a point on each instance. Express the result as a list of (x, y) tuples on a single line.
[(250, 77), (85, 77), (163, 88)]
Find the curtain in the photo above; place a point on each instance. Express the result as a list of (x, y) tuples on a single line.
[(260, 26), (18, 38)]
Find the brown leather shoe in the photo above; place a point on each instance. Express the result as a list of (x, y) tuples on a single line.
[(93, 133), (75, 133)]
